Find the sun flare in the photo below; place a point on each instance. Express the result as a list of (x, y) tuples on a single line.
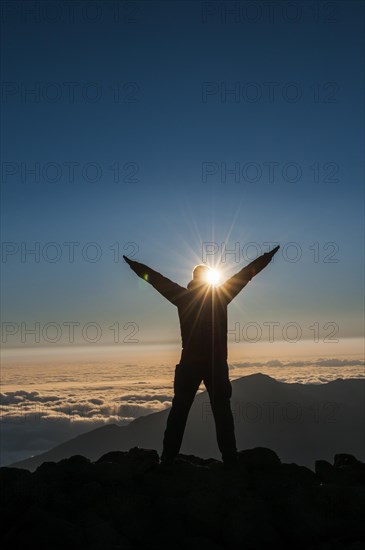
[(213, 276)]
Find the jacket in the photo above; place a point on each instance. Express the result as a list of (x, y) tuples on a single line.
[(202, 309)]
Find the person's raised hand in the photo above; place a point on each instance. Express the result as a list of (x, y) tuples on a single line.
[(274, 251)]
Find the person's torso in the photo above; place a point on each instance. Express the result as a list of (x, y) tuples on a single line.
[(203, 324)]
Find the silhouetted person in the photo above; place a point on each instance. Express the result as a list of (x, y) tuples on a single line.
[(202, 310)]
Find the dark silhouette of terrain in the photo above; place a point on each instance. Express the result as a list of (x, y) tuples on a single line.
[(127, 500), (202, 309), (301, 422)]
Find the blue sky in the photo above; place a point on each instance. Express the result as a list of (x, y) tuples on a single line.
[(149, 96)]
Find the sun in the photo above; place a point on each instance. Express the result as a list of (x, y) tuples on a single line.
[(213, 276)]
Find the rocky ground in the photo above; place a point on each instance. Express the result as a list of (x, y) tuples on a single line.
[(127, 500)]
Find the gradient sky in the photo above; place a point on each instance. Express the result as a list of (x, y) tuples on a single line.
[(172, 62)]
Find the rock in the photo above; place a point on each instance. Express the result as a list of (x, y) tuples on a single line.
[(250, 524), (127, 500), (76, 462), (47, 469), (298, 475), (100, 534), (201, 543), (355, 546), (135, 461), (12, 478), (46, 528), (345, 460), (196, 460), (325, 471), (114, 457), (347, 470), (259, 457)]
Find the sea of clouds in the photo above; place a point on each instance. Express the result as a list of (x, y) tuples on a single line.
[(43, 405), (34, 421)]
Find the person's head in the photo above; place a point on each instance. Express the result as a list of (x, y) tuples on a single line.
[(200, 273)]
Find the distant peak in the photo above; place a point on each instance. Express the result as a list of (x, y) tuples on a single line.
[(258, 376)]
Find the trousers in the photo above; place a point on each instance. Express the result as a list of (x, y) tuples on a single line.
[(187, 380)]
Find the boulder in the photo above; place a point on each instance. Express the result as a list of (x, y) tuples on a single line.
[(258, 458), (128, 500)]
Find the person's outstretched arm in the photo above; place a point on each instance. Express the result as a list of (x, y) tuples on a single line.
[(235, 284), (170, 290)]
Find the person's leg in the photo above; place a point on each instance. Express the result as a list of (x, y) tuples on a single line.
[(186, 383), (219, 388)]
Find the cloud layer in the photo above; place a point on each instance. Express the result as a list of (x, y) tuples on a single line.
[(67, 403)]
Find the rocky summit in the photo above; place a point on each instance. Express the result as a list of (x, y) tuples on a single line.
[(127, 500)]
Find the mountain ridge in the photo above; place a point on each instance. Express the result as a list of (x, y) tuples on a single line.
[(300, 422)]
